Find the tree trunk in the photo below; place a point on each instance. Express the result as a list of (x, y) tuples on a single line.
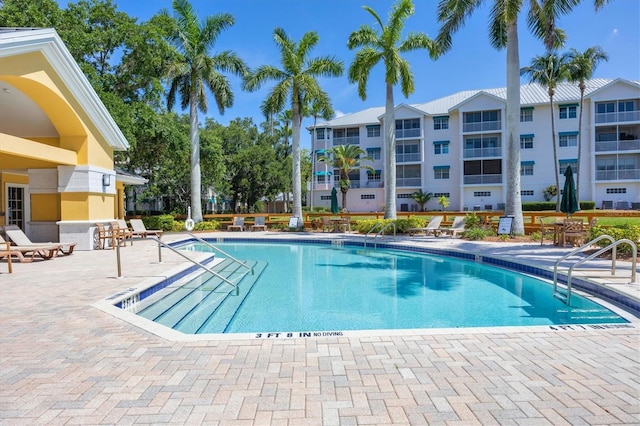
[(295, 157), (513, 205), (196, 202), (390, 156)]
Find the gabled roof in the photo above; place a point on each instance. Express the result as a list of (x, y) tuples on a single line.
[(634, 84), (18, 41), (479, 94)]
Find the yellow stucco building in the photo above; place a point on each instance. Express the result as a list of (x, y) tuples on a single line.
[(57, 143)]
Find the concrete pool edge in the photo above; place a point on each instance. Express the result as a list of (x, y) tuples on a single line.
[(108, 305)]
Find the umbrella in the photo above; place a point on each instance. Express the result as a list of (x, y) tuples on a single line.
[(334, 201), (569, 201)]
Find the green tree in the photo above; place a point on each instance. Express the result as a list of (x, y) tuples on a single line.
[(384, 45), (421, 198), (346, 158), (296, 83), (503, 33), (548, 71), (30, 13), (194, 69), (581, 66)]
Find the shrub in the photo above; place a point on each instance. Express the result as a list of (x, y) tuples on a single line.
[(207, 225), (164, 222), (471, 220), (475, 234), (629, 232), (535, 236)]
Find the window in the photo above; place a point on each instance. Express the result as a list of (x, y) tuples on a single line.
[(526, 168), (319, 134), (526, 114), (441, 194), (408, 150), (527, 193), (564, 163), (408, 128), (616, 190), (441, 147), (367, 197), (440, 123), (567, 139), (441, 172), (482, 194), (404, 196), (626, 106), (321, 178), (568, 111), (325, 197), (373, 153), (526, 141), (349, 136), (375, 176), (373, 131), (606, 107)]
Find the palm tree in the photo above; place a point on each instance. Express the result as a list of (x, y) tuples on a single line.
[(346, 158), (503, 26), (192, 70), (548, 71), (323, 110), (421, 198), (581, 67), (385, 45), (296, 83)]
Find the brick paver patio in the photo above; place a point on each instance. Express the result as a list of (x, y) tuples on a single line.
[(64, 362)]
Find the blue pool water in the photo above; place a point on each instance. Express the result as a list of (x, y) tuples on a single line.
[(312, 287)]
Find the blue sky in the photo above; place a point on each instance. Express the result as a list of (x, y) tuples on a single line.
[(471, 64)]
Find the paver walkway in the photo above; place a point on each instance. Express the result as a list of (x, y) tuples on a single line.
[(65, 362)]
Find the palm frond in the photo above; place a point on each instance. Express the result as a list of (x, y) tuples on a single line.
[(261, 75), (364, 36), (365, 59), (452, 15)]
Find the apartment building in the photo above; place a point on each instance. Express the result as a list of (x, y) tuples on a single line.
[(456, 146)]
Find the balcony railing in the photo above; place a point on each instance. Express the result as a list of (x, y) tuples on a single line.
[(624, 145), (618, 174), (482, 152), (483, 126), (617, 117), (374, 184), (405, 158), (352, 184), (349, 140), (407, 133), (401, 182), (482, 179)]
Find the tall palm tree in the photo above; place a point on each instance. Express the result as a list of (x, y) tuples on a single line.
[(297, 84), (317, 109), (503, 33), (548, 71), (346, 158), (384, 44), (193, 69), (581, 67)]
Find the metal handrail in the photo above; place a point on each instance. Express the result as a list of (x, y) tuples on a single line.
[(373, 228), (384, 226), (612, 246), (578, 250), (162, 244), (222, 252)]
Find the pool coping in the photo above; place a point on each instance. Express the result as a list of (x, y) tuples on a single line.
[(623, 304)]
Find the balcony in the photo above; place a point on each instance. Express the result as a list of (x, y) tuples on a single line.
[(404, 182), (617, 117), (349, 140), (407, 133), (619, 145), (482, 179), (618, 174), (352, 184), (483, 126), (482, 152), (407, 158)]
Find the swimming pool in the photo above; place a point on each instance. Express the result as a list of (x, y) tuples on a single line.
[(302, 287)]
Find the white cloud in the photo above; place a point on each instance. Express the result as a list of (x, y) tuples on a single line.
[(614, 33)]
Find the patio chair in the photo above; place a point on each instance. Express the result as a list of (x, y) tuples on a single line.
[(431, 228), (573, 231), (345, 224), (6, 252), (26, 254), (546, 229), (457, 227), (120, 233), (238, 224), (140, 230), (46, 250), (259, 224), (327, 224), (103, 237)]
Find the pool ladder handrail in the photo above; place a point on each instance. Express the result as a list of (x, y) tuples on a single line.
[(612, 246), (222, 252), (195, 262), (383, 226)]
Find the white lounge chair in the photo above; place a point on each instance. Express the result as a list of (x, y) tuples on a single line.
[(457, 227), (259, 224), (26, 254), (238, 224), (140, 230), (16, 235), (431, 228)]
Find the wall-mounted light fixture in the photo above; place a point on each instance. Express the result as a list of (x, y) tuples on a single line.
[(106, 180)]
